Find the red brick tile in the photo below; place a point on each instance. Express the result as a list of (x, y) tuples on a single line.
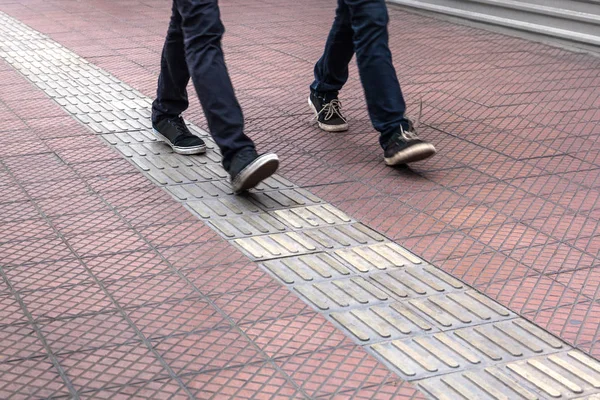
[(165, 319), (19, 342), (157, 389), (532, 294), (45, 249), (31, 378), (575, 323), (327, 372), (47, 275), (554, 257), (213, 253), (509, 236), (67, 302), (483, 269), (107, 242), (109, 367), (77, 224), (149, 290), (229, 278), (87, 332), (247, 382), (207, 351), (11, 311), (177, 234), (289, 336), (127, 266), (261, 305)]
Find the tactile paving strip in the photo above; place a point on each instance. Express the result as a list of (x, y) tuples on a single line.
[(425, 325)]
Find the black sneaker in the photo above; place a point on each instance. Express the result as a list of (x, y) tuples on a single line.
[(328, 114), (248, 169), (406, 147), (177, 135)]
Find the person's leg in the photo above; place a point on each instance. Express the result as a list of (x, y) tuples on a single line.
[(385, 101), (171, 94), (331, 73), (202, 33)]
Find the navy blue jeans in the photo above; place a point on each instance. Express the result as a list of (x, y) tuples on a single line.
[(193, 49), (360, 27)]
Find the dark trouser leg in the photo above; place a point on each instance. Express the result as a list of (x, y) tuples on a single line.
[(331, 71), (382, 90), (202, 31), (171, 94)]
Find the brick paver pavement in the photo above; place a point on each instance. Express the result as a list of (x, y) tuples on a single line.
[(95, 271)]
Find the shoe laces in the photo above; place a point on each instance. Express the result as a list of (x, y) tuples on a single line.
[(334, 107), (411, 133), (180, 125)]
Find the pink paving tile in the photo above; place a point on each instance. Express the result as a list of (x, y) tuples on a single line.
[(157, 389), (127, 266), (589, 245), (64, 302), (300, 334), (395, 390), (176, 234), (119, 183), (149, 290), (25, 230), (97, 221), (45, 249), (213, 253), (256, 381), (31, 378), (261, 305), (128, 196), (529, 208), (471, 216), (324, 373), (39, 168), (585, 281), (107, 242), (47, 275), (509, 236), (482, 269), (19, 342), (87, 155), (157, 214), (229, 278), (87, 332), (443, 246), (11, 312), (207, 351), (56, 189), (97, 169), (555, 257), (17, 211), (76, 204), (111, 366), (532, 294), (575, 323), (10, 192), (173, 318)]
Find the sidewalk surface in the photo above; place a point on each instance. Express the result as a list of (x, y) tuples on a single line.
[(112, 286)]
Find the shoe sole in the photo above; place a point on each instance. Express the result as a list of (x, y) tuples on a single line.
[(188, 151), (325, 127), (418, 152), (256, 172)]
